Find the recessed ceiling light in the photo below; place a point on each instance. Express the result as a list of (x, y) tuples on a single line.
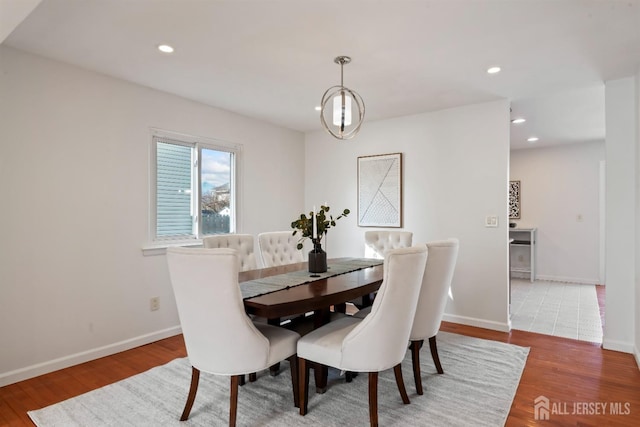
[(518, 121), (493, 70), (318, 108), (532, 139), (165, 48)]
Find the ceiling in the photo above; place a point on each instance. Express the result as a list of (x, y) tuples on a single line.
[(273, 59)]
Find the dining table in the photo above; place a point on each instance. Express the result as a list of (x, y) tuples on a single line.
[(288, 290)]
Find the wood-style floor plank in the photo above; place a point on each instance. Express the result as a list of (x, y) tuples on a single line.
[(569, 371), (16, 399), (563, 370)]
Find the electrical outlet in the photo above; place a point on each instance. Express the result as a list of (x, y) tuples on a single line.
[(154, 304)]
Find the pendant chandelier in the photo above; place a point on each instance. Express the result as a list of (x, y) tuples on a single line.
[(345, 120)]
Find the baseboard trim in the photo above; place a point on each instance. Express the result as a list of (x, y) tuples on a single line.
[(622, 346), (478, 323), (637, 356), (564, 279), (25, 373)]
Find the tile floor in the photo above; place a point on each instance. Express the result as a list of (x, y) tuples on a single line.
[(568, 310)]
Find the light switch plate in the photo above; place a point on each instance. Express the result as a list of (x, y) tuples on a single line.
[(491, 221)]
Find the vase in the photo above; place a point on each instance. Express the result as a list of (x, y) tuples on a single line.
[(317, 259)]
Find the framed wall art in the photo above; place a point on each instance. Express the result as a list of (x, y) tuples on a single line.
[(380, 190), (514, 199)]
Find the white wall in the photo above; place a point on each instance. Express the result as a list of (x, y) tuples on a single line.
[(637, 223), (560, 196), (455, 173), (621, 116), (74, 179), (12, 13)]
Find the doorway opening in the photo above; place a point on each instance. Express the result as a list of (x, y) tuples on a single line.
[(557, 285)]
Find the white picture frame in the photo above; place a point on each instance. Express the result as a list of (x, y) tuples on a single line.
[(380, 190)]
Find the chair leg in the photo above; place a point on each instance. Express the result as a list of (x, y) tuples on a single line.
[(195, 378), (295, 383), (415, 360), (397, 370), (373, 399), (320, 373), (252, 377), (233, 403), (274, 370), (303, 384), (434, 354)]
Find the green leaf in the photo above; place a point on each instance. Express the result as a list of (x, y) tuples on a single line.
[(324, 222)]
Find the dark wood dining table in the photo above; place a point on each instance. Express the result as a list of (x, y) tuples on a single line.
[(317, 296)]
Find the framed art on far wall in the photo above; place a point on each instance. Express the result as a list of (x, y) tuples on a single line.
[(514, 199), (380, 190)]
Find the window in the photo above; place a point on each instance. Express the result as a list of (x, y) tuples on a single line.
[(193, 187)]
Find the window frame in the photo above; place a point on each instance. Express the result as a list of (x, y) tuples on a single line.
[(197, 144)]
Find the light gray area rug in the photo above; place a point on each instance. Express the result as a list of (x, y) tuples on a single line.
[(477, 388)]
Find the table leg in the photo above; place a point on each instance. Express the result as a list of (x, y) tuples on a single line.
[(367, 300), (321, 317), (340, 308)]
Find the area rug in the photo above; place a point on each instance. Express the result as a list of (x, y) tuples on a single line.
[(477, 388)]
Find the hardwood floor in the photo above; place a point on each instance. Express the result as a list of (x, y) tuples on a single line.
[(563, 370), (568, 371), (16, 399)]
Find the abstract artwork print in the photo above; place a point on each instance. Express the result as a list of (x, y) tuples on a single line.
[(380, 190)]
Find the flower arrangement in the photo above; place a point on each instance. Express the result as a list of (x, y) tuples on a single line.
[(316, 225)]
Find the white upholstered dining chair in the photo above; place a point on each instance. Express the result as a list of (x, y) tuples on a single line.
[(376, 243), (436, 283), (243, 243), (377, 342), (432, 301), (219, 337), (279, 248)]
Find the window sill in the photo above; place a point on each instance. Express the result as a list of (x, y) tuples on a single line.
[(160, 248)]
